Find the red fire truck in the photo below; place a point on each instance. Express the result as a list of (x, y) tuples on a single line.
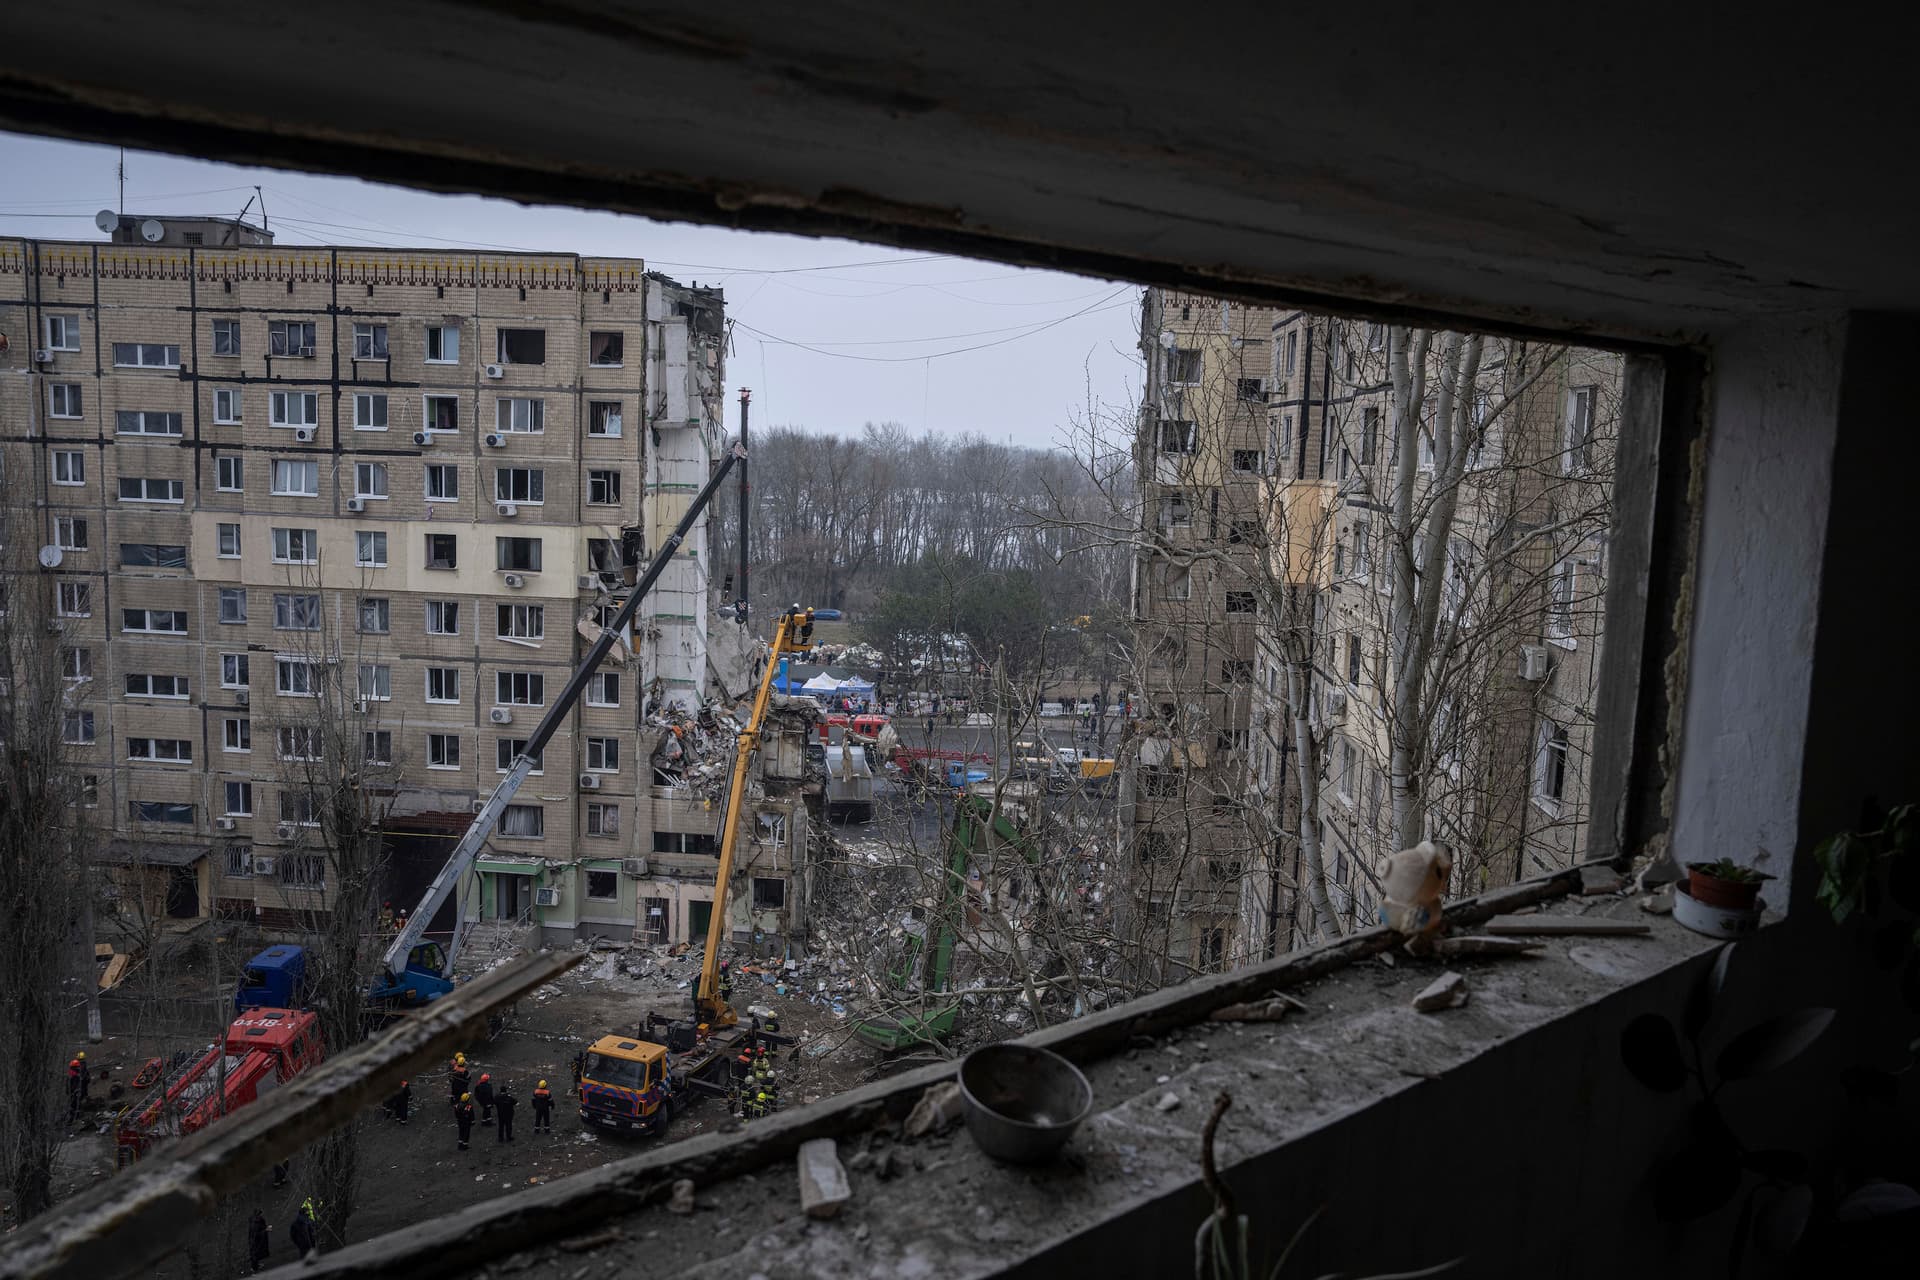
[(264, 1049)]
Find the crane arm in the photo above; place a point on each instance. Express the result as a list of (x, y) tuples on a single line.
[(444, 884)]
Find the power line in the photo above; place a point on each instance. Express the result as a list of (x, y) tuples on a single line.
[(1029, 332)]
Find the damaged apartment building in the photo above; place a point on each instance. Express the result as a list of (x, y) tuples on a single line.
[(442, 468)]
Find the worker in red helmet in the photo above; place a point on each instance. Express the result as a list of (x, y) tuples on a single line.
[(483, 1094), (401, 1103), (74, 1087)]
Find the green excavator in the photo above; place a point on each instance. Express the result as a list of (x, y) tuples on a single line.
[(929, 953)]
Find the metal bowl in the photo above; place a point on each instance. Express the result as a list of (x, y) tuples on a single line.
[(1023, 1103)]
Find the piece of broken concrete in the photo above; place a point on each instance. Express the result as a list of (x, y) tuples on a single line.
[(1448, 991), (823, 1182), (682, 1201), (1478, 945), (1658, 903), (1169, 1101), (1271, 1009), (940, 1106)]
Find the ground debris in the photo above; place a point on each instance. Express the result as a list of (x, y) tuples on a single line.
[(824, 1190), (940, 1106), (1595, 880), (585, 1244), (1271, 1009), (1169, 1101), (682, 1201), (1448, 991), (1477, 945)]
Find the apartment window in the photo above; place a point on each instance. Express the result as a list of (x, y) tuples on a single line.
[(443, 483), (1550, 766), (369, 342), (517, 553), (370, 548), (226, 337), (290, 338), (239, 861), (1376, 337), (69, 466), (607, 350), (526, 821), (603, 488), (443, 344), (376, 615), (604, 615), (603, 755), (522, 346), (443, 550), (133, 422), (293, 409), (520, 688), (89, 790), (155, 686), (370, 480), (70, 533), (236, 734), (369, 411), (1247, 460), (1339, 557), (443, 617), (603, 418), (160, 750), (63, 400), (602, 555), (233, 604), (239, 799), (376, 681), (76, 664), (1252, 389), (152, 489), (379, 746), (230, 474), (603, 689), (76, 728), (519, 484), (300, 808), (1175, 512), (1183, 365), (227, 539), (1560, 590), (1370, 435), (521, 622), (521, 417), (1580, 409), (1240, 602), (233, 671), (441, 413), (294, 479), (159, 811), (296, 546), (1176, 436), (443, 751), (296, 612), (146, 355), (63, 333), (1349, 772), (293, 677), (298, 742), (226, 406), (159, 621), (506, 749), (1362, 552), (153, 555), (443, 684), (603, 820), (1176, 582), (1426, 449), (1354, 659), (1293, 349), (1243, 532), (302, 870)]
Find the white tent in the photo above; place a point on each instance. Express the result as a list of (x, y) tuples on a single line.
[(822, 683)]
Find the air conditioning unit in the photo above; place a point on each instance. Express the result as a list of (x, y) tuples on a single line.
[(634, 866), (303, 435), (1535, 662), (1336, 705), (500, 715), (305, 353), (223, 824), (241, 697), (589, 583), (506, 509), (43, 356), (264, 863), (478, 805), (514, 580), (360, 704), (496, 371), (495, 440), (356, 504), (546, 897), (423, 438), (285, 830), (589, 782)]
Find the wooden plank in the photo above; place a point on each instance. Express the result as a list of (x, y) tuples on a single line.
[(1566, 926), (101, 950), (116, 970)]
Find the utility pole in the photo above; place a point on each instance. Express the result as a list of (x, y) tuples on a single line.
[(122, 171), (740, 597)]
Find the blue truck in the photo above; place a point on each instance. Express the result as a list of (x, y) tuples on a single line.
[(274, 979)]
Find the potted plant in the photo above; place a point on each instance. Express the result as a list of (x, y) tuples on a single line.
[(1724, 884)]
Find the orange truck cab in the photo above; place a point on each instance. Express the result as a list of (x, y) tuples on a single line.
[(626, 1084)]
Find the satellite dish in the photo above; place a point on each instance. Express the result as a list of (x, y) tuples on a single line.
[(1167, 339), (106, 219), (151, 231), (50, 557)]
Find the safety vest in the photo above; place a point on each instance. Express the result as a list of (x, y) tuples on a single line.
[(542, 1095)]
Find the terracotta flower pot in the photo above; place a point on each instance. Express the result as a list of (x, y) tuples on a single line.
[(1710, 890)]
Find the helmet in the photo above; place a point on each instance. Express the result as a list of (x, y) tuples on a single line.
[(73, 1062), (543, 1084), (466, 1097), (484, 1077), (403, 1084), (81, 1056), (460, 1059)]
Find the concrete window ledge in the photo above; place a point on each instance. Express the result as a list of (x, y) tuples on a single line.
[(1492, 1131)]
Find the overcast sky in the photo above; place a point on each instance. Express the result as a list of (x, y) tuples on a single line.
[(830, 334)]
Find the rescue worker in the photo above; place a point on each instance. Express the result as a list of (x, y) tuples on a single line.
[(542, 1109), (401, 1103), (483, 1094), (280, 1173), (457, 1078), (506, 1102), (762, 1105), (73, 1090), (725, 983), (301, 1232), (386, 917), (86, 1075), (257, 1241), (463, 1116)]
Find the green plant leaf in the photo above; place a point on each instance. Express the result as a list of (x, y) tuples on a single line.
[(1651, 1051), (1706, 994), (1781, 1215), (1771, 1044)]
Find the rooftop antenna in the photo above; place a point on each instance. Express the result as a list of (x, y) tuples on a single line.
[(123, 181), (234, 227), (263, 209)]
